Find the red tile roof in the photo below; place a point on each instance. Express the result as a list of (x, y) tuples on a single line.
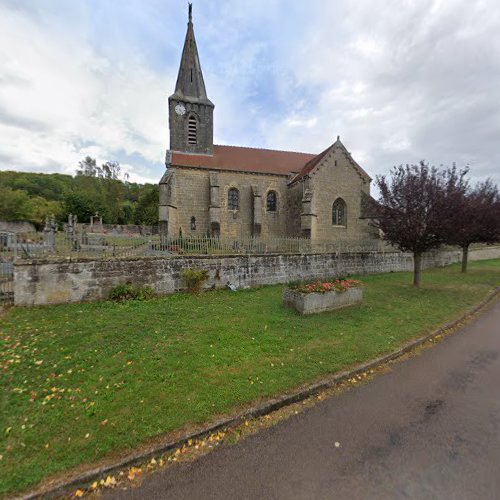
[(309, 166), (266, 161)]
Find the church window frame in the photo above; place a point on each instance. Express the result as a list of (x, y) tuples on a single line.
[(272, 201), (233, 198), (339, 213), (193, 223), (192, 130)]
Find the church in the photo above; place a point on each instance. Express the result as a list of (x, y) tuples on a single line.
[(241, 192)]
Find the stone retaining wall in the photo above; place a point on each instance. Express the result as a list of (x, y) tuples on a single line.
[(51, 282)]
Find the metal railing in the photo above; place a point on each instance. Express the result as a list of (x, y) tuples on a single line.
[(102, 246), (7, 258), (225, 245)]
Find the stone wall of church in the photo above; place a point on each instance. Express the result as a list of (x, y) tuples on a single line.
[(56, 282), (335, 178), (192, 194), (294, 209)]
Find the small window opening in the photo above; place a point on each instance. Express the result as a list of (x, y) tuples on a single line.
[(271, 201), (191, 75), (193, 223), (192, 130), (233, 199), (339, 212), (335, 162)]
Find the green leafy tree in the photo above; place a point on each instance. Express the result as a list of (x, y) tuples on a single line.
[(40, 209), (88, 167), (32, 196), (146, 211), (127, 213), (14, 204), (80, 205), (111, 170)]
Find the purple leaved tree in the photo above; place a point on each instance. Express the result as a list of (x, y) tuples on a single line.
[(410, 210), (473, 215)]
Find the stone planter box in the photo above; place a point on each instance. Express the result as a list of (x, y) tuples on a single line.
[(312, 303)]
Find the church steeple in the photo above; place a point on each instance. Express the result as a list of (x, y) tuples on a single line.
[(190, 110), (190, 78)]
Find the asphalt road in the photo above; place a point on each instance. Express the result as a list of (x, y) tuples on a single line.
[(428, 429)]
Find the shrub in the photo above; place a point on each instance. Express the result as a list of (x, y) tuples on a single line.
[(194, 279), (128, 291)]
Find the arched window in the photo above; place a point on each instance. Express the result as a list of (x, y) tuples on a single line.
[(233, 196), (192, 130), (271, 201), (193, 223), (339, 213)]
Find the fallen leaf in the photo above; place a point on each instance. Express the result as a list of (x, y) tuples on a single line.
[(79, 493), (110, 481), (133, 471)]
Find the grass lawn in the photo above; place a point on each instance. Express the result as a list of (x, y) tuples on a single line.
[(79, 381)]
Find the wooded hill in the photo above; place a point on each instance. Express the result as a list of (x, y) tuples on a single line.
[(33, 196)]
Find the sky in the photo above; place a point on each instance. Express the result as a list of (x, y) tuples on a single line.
[(399, 81)]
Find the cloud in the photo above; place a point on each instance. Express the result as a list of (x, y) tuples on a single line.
[(58, 96), (399, 81)]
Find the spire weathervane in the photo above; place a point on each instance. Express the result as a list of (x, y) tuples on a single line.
[(190, 12)]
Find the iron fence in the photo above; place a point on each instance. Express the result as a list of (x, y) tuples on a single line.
[(101, 246), (7, 258)]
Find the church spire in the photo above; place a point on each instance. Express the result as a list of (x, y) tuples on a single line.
[(191, 113), (190, 78)]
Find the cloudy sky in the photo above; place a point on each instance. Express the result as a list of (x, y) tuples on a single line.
[(399, 81)]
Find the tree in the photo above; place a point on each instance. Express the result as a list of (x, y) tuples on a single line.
[(40, 209), (88, 167), (473, 215), (111, 170), (146, 211), (14, 204), (409, 211), (80, 205)]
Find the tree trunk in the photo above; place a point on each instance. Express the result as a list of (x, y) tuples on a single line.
[(417, 266), (465, 257)]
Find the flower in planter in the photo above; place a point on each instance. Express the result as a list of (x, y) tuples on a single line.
[(338, 285)]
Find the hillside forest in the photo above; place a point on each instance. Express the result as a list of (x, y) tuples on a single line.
[(94, 188)]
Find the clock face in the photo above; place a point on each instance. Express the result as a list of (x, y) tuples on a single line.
[(180, 109)]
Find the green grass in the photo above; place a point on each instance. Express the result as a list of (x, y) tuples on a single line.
[(151, 367)]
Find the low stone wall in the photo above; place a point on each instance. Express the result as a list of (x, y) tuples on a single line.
[(51, 282), (17, 227)]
